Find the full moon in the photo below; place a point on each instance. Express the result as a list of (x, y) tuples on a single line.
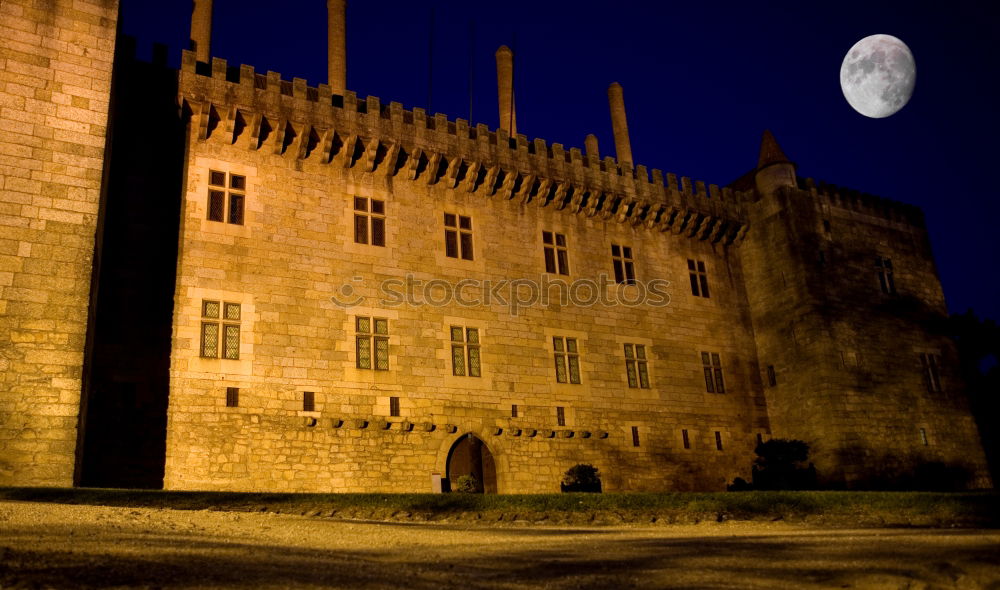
[(878, 75)]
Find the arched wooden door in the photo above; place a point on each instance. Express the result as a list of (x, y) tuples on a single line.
[(470, 456)]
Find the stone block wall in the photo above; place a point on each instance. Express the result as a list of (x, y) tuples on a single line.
[(296, 250), (846, 355), (55, 77)]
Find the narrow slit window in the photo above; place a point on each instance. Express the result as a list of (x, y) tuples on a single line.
[(635, 436), (308, 401), (513, 411), (232, 397), (718, 440), (685, 439), (932, 371), (394, 406), (560, 416), (772, 377)]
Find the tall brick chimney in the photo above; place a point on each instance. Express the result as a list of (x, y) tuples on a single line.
[(201, 30), (505, 90), (623, 147), (337, 45)]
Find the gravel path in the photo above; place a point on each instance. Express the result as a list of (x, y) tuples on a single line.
[(64, 546)]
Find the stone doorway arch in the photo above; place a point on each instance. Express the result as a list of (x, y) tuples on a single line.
[(469, 455)]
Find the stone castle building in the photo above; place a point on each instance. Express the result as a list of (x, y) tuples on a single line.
[(218, 279)]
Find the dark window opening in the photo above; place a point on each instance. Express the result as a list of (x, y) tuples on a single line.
[(699, 278), (394, 406), (220, 192), (685, 439), (623, 263), (458, 236), (556, 257), (932, 371), (772, 377), (369, 221), (308, 401), (560, 416), (718, 440), (712, 366), (232, 397), (635, 436), (884, 271)]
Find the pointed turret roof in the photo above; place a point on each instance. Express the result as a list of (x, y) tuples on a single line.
[(770, 151)]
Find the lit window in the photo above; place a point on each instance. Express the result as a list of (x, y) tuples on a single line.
[(465, 354), (372, 337), (220, 329), (567, 359), (636, 368)]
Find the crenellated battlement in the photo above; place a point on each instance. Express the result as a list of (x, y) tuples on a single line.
[(292, 118), (854, 200)]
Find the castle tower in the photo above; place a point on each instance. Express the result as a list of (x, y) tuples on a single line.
[(54, 134), (842, 289)]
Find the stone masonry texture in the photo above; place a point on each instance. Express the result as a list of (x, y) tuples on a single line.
[(55, 77), (795, 323)]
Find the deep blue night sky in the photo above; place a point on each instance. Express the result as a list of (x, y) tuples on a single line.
[(702, 81)]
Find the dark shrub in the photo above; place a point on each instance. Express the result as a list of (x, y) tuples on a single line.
[(467, 484), (581, 478), (781, 465)]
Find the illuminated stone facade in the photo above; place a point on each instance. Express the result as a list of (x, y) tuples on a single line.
[(358, 289)]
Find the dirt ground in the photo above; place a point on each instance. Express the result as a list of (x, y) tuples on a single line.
[(46, 545)]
